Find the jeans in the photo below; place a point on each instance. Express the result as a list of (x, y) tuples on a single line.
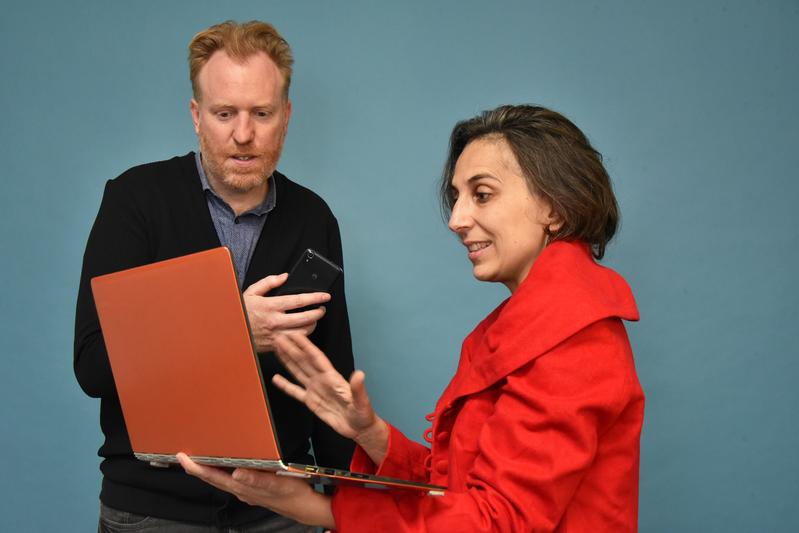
[(116, 521)]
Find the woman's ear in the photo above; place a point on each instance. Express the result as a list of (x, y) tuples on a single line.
[(555, 223), (552, 221)]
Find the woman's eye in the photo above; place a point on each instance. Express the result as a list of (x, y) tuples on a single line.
[(482, 196)]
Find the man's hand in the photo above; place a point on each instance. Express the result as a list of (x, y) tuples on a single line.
[(268, 314)]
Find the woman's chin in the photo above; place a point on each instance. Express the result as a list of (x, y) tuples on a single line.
[(482, 274)]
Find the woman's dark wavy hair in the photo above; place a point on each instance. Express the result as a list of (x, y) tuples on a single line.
[(559, 163)]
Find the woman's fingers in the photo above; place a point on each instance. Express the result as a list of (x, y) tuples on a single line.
[(305, 353), (296, 370), (315, 372), (316, 356), (360, 398), (266, 482), (254, 487), (302, 358), (292, 389), (213, 476), (295, 359)]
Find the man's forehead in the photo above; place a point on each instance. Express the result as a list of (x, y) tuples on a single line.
[(222, 60), (222, 67)]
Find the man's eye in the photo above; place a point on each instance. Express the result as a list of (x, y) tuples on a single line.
[(223, 115)]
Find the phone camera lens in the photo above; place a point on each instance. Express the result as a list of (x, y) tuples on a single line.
[(314, 276)]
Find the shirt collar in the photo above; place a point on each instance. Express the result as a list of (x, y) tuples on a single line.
[(267, 205)]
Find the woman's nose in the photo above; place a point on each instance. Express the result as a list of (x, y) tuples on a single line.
[(459, 218)]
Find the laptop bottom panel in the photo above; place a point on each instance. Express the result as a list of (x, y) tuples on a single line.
[(317, 474), (158, 459)]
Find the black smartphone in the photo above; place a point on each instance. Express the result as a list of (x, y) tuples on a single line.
[(312, 273)]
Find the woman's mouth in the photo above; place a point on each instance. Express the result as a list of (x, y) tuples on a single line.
[(476, 248)]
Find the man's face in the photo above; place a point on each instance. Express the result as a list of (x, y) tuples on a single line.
[(241, 117)]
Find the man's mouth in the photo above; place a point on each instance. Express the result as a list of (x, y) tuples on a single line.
[(243, 157)]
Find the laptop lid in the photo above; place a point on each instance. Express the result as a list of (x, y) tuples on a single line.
[(178, 342)]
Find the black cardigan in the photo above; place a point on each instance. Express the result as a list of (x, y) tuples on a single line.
[(159, 211)]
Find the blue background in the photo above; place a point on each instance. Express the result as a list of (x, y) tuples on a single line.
[(694, 106)]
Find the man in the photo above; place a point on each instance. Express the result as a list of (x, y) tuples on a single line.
[(230, 194)]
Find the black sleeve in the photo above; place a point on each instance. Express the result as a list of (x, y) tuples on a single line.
[(118, 240), (332, 335)]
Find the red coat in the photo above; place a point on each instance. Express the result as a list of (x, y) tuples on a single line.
[(539, 428)]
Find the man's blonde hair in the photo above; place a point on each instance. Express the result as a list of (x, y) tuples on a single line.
[(240, 41)]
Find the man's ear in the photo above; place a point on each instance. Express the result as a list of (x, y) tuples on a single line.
[(288, 116), (195, 115)]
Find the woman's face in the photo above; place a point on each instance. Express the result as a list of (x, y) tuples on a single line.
[(498, 219)]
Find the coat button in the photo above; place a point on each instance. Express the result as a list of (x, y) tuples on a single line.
[(442, 437), (441, 466)]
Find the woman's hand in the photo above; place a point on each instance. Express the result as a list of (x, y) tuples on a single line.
[(286, 496), (341, 404)]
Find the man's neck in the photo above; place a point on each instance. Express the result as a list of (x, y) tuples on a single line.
[(238, 200), (241, 201)]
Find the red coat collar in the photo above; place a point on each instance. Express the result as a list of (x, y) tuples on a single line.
[(565, 291)]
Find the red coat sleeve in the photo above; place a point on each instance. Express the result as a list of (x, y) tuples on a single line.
[(404, 459), (532, 452)]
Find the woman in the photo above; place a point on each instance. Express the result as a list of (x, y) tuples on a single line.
[(539, 428)]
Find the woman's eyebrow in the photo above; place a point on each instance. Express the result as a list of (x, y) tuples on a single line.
[(480, 176), (477, 177)]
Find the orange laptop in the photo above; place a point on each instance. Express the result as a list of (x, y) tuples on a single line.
[(187, 373)]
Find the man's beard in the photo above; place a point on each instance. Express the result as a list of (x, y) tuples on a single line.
[(219, 170)]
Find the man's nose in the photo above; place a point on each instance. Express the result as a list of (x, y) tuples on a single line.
[(243, 132)]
